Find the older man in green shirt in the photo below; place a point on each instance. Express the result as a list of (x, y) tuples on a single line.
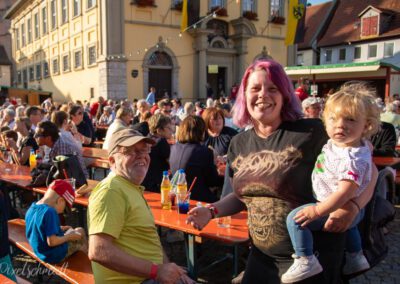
[(124, 246)]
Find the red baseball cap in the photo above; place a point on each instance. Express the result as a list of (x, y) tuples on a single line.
[(63, 189)]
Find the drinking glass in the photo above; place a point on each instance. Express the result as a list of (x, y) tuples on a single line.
[(183, 202)]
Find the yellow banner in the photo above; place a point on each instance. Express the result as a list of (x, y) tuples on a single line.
[(295, 13), (184, 20)]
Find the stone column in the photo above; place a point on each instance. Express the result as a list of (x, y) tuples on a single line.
[(112, 60), (200, 45)]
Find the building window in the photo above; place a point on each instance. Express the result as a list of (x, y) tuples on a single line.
[(64, 11), (17, 38), (388, 49), (25, 78), (38, 71), (65, 61), (342, 54), (31, 73), (36, 23), (372, 50), (53, 8), (23, 34), (91, 3), (92, 55), (276, 8), (249, 5), (44, 20), (369, 26), (328, 55), (357, 52), (45, 69), (19, 77), (77, 7), (300, 59), (56, 68), (29, 29), (77, 59)]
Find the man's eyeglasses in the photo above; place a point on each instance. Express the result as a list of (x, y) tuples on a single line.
[(167, 111)]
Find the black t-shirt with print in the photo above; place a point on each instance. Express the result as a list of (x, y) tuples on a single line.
[(272, 176)]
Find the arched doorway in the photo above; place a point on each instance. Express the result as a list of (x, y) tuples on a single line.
[(160, 73)]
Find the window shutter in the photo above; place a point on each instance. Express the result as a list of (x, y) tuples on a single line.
[(365, 27), (373, 25)]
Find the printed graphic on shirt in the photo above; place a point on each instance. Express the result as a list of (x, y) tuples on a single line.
[(259, 175)]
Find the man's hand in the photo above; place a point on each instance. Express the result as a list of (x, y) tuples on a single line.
[(306, 215), (341, 219), (169, 273)]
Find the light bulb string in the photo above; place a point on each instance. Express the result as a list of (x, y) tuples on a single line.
[(169, 39)]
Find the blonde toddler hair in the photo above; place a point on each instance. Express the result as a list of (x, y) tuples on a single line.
[(355, 99)]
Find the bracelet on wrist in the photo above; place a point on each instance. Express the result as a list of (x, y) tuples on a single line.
[(153, 271), (356, 204), (213, 210)]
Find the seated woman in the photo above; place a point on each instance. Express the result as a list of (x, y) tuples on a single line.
[(84, 128), (196, 159), (161, 130), (218, 136), (143, 125), (67, 128), (28, 143)]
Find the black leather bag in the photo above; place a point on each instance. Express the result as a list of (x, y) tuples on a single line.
[(39, 175), (67, 166)]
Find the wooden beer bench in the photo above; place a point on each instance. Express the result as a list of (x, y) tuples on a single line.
[(75, 269)]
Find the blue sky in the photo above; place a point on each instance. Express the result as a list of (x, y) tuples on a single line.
[(316, 1)]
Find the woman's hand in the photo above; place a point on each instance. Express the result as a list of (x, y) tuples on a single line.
[(199, 217), (341, 219), (306, 215)]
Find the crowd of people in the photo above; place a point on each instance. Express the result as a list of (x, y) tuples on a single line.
[(285, 168)]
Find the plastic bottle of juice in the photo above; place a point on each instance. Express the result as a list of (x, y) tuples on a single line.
[(32, 159), (165, 190), (181, 183)]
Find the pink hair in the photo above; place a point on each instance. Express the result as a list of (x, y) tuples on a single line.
[(291, 109)]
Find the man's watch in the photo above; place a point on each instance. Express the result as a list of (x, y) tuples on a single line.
[(213, 210)]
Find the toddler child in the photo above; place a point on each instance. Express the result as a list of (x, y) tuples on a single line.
[(341, 173)]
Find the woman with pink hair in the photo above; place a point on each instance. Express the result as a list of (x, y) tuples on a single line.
[(270, 166)]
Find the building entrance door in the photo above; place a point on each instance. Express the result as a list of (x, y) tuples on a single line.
[(161, 80), (217, 80)]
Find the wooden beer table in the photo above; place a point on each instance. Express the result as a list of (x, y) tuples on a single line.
[(233, 236)]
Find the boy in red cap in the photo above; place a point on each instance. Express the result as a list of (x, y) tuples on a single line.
[(50, 241)]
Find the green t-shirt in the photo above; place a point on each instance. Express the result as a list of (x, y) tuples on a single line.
[(117, 208)]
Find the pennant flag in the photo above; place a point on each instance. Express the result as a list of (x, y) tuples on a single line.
[(184, 20), (296, 18)]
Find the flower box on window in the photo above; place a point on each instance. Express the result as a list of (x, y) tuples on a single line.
[(177, 6), (220, 11), (250, 15), (143, 3), (277, 20)]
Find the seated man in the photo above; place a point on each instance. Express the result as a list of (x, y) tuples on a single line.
[(47, 134), (124, 245), (51, 242)]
